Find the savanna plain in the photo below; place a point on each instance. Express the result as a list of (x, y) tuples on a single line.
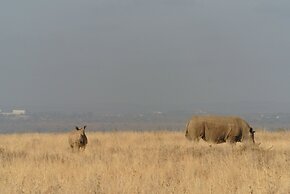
[(143, 162)]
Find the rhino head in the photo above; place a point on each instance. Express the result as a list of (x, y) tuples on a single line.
[(81, 131), (252, 134)]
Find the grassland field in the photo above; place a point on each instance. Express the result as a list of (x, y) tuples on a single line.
[(143, 162)]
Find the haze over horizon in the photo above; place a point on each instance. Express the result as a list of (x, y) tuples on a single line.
[(88, 55)]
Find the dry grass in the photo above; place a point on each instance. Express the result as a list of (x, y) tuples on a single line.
[(143, 162)]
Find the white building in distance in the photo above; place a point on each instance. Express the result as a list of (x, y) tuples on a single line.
[(14, 113), (18, 112)]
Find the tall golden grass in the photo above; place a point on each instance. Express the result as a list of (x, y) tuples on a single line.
[(143, 162)]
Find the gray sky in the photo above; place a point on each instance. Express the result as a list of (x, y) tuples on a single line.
[(147, 54)]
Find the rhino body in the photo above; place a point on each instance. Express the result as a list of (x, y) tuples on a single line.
[(77, 138), (219, 129)]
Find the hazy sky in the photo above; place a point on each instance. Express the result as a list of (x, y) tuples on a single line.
[(154, 54)]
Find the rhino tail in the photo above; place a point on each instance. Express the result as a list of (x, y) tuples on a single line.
[(186, 128)]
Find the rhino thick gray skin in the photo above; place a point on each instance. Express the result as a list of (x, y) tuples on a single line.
[(219, 129)]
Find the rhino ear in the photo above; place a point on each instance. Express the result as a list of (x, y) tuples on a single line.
[(77, 128), (85, 127)]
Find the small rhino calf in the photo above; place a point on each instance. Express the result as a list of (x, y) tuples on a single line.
[(77, 139)]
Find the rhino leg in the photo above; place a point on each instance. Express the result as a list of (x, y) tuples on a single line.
[(232, 138)]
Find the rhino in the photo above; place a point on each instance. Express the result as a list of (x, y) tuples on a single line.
[(219, 129), (77, 138)]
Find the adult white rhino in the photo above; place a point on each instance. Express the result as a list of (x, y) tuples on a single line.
[(219, 129)]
